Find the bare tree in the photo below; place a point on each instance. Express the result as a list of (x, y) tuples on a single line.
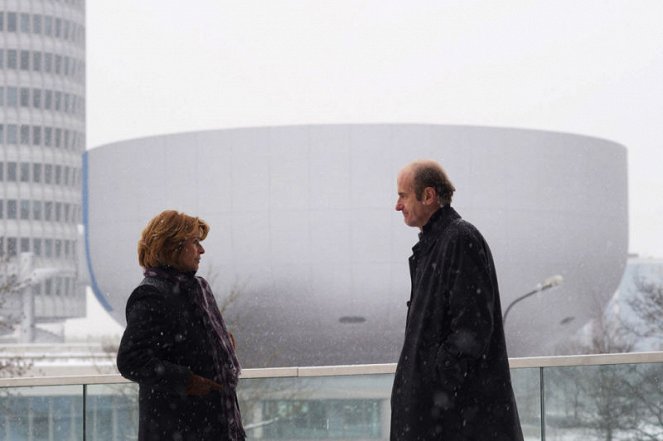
[(610, 407), (609, 336), (647, 304), (230, 299), (238, 320), (616, 399), (11, 287), (645, 385), (604, 334)]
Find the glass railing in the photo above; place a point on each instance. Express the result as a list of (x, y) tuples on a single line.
[(576, 398)]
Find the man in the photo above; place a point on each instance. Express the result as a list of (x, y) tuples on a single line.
[(452, 380)]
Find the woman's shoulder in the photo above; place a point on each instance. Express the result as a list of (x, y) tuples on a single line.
[(146, 292), (162, 285)]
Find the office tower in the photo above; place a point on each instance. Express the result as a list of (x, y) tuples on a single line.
[(42, 137)]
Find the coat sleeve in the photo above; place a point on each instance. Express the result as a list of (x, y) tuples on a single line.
[(469, 282), (142, 353)]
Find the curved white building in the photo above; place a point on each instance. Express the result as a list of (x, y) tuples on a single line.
[(42, 136), (303, 227)]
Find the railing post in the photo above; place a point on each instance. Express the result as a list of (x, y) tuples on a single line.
[(542, 393), (84, 412)]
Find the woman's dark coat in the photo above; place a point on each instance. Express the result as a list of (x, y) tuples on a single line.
[(452, 381), (164, 343)]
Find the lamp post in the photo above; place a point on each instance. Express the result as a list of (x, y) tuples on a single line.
[(30, 276), (550, 282)]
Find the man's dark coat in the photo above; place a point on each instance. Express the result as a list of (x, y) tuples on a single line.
[(164, 343), (452, 381)]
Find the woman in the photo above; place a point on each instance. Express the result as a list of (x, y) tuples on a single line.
[(176, 346)]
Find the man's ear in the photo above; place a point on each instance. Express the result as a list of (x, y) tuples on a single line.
[(430, 196)]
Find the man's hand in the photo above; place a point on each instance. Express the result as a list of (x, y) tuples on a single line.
[(198, 386)]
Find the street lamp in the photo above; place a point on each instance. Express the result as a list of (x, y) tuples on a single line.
[(30, 276), (550, 282)]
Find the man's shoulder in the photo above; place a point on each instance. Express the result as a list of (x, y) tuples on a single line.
[(461, 230), (453, 223), (464, 226)]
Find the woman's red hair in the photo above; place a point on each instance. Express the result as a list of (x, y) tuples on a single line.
[(161, 241)]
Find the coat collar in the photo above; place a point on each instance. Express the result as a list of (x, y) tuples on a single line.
[(435, 225)]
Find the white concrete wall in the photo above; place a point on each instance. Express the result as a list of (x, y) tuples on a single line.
[(303, 224)]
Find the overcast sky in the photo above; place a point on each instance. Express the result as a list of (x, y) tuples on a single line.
[(588, 67)]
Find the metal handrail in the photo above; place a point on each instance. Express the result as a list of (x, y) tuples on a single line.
[(360, 369)]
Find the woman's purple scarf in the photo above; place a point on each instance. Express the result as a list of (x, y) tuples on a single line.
[(227, 365)]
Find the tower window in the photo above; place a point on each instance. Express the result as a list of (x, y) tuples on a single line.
[(12, 134), (25, 97), (25, 135), (36, 135), (11, 246), (11, 171), (25, 23), (48, 62), (12, 96), (36, 172), (36, 24), (36, 246), (12, 59), (11, 21), (12, 209), (36, 210), (25, 210), (25, 60), (25, 172), (36, 61), (48, 25)]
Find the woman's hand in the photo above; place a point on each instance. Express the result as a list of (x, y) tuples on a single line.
[(201, 386)]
